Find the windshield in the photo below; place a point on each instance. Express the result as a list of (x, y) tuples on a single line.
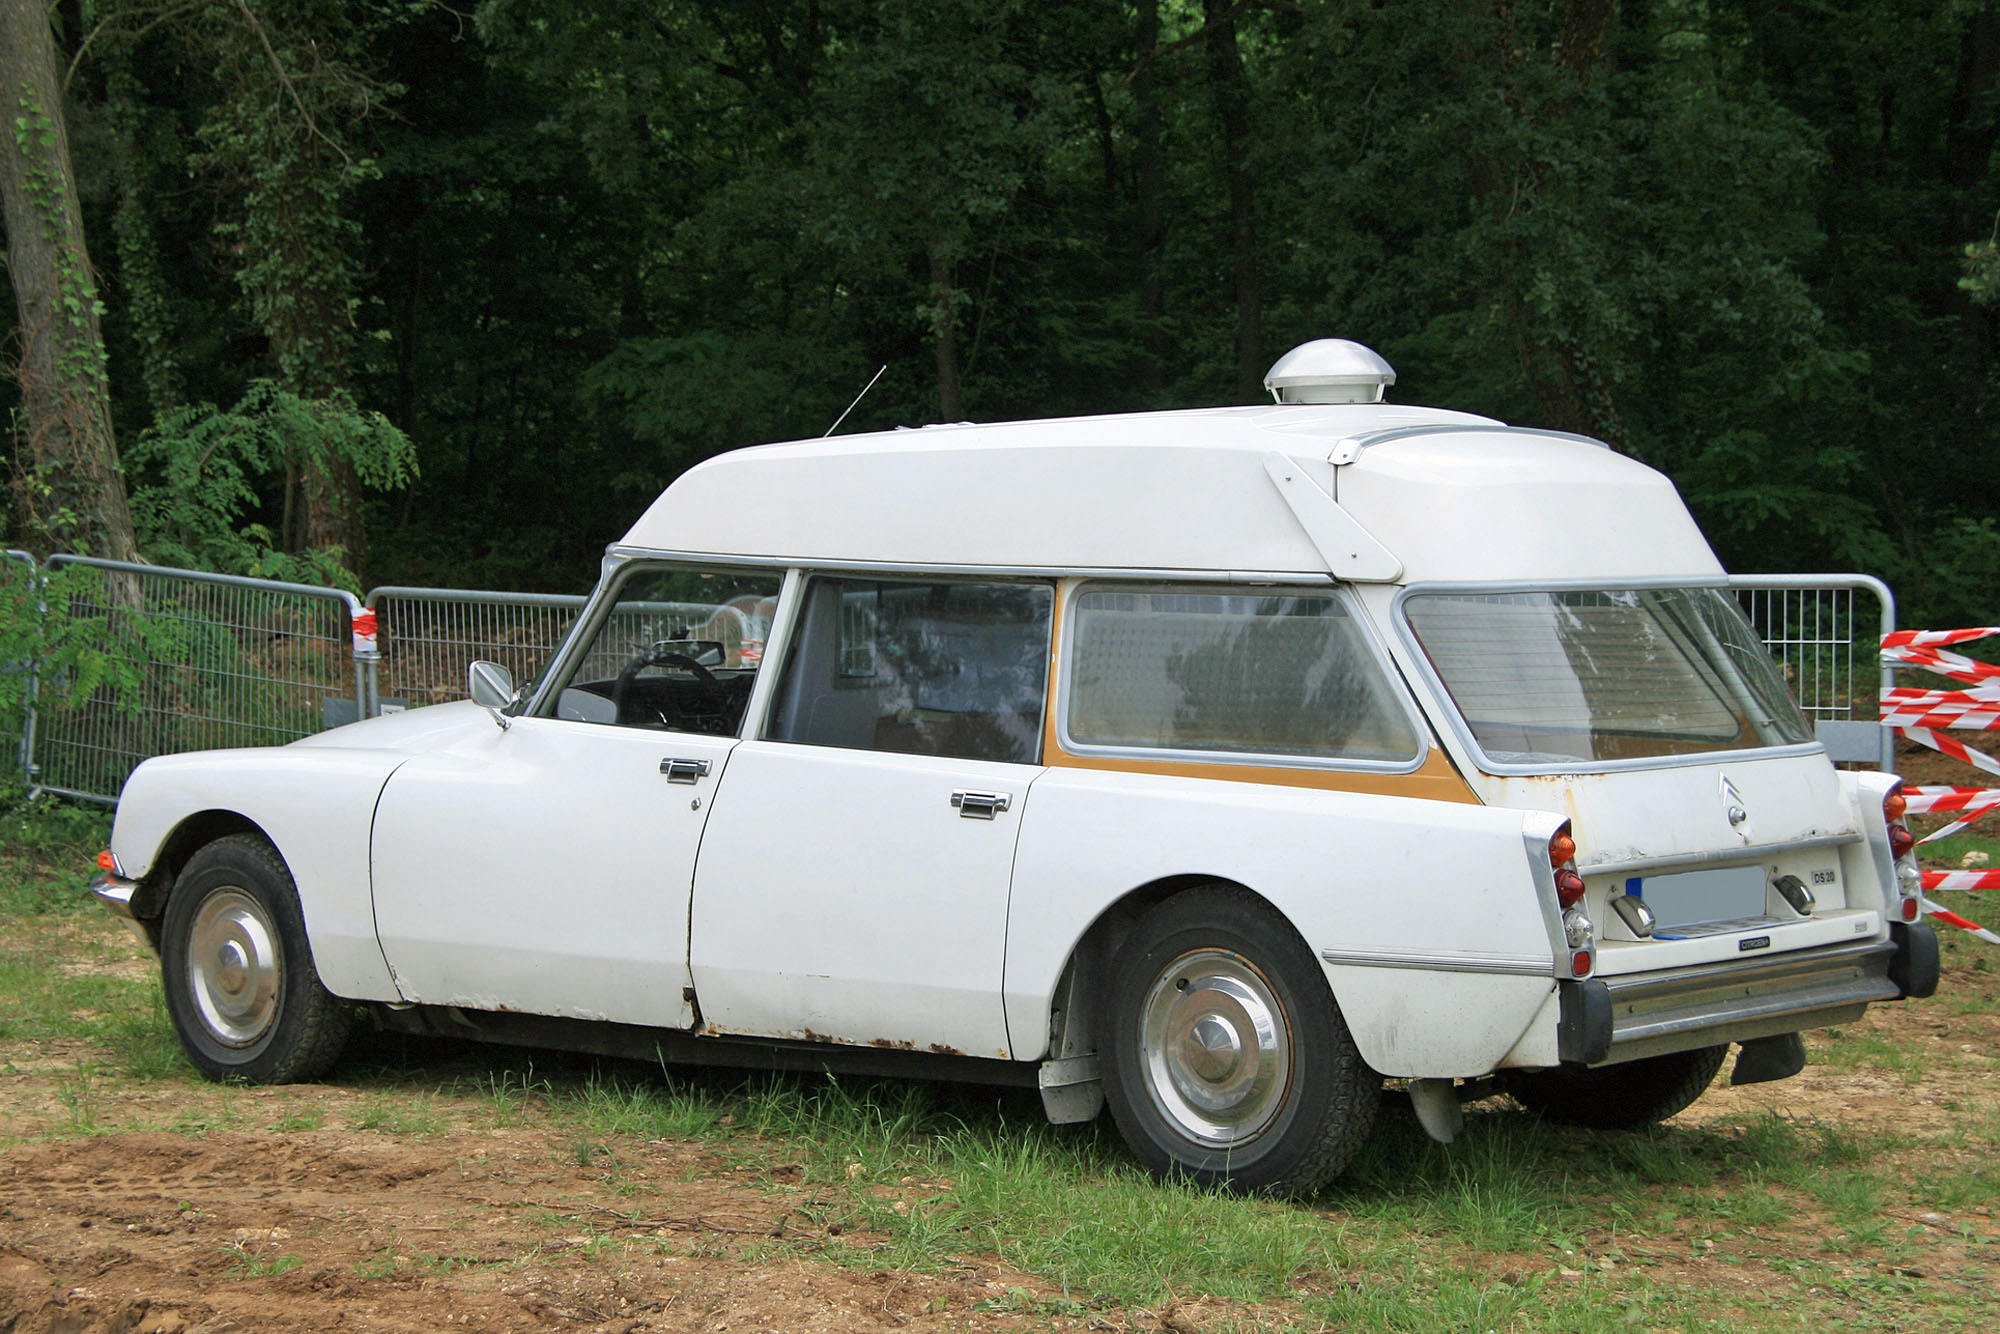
[(1598, 675)]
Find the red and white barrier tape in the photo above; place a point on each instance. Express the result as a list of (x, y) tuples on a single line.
[(1935, 800), (1958, 750), (1957, 826), (1914, 638), (1981, 717), (1950, 918), (1953, 665), (1947, 880)]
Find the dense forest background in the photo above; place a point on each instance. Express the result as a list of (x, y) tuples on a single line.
[(444, 291)]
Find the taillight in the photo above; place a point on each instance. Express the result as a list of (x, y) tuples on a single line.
[(107, 862), (1562, 857), (1902, 844)]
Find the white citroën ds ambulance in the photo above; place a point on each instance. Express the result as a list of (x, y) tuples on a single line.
[(1214, 765)]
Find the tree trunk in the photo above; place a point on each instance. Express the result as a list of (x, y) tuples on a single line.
[(68, 485), (1152, 174), (1232, 111)]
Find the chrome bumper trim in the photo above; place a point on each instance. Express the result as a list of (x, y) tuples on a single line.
[(1650, 1014), (116, 893)]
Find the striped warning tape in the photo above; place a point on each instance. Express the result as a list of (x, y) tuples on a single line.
[(1958, 750), (1983, 717), (1936, 800), (1950, 918), (1957, 826), (1953, 665), (1943, 880), (1913, 638)]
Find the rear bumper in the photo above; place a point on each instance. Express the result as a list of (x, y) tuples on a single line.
[(1625, 1018)]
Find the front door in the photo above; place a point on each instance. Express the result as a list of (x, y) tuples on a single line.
[(548, 868)]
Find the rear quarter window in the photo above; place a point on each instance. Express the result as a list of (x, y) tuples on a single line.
[(1286, 673)]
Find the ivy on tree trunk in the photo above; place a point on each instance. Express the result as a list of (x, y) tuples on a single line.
[(69, 490)]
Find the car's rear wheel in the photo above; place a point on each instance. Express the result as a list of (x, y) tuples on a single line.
[(1619, 1097), (244, 997), (1226, 1061)]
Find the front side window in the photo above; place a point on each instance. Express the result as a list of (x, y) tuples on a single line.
[(1599, 675), (918, 668), (678, 650), (1286, 673)]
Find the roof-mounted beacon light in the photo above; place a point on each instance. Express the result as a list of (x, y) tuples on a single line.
[(1329, 370)]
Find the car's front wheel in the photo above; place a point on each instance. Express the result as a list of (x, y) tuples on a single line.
[(244, 997), (1226, 1061)]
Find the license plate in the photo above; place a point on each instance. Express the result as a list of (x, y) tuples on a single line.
[(1701, 898)]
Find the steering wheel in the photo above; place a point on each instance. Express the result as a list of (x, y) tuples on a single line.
[(711, 690)]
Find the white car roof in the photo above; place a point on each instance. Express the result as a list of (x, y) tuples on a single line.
[(1449, 495)]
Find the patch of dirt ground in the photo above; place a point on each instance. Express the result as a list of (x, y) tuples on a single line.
[(500, 1231)]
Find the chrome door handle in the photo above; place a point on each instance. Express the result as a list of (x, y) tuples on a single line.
[(979, 805), (684, 771)]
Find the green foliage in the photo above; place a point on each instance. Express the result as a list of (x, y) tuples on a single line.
[(571, 249), (205, 464)]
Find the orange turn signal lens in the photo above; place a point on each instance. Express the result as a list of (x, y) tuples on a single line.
[(106, 862), (1894, 805), (1562, 848)]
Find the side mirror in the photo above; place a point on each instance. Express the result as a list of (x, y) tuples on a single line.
[(492, 688)]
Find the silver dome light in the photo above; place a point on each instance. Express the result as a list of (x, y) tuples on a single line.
[(1329, 370)]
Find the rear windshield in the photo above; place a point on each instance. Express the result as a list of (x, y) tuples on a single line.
[(1594, 675)]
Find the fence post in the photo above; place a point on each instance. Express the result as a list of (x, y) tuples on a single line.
[(367, 656)]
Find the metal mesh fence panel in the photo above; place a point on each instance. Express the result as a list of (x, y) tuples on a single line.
[(141, 661), (1826, 633), (20, 647), (429, 636)]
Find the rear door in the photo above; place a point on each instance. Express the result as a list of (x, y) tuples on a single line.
[(853, 887)]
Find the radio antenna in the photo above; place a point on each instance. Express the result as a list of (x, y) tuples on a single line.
[(856, 403)]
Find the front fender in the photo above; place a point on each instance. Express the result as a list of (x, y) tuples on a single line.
[(315, 804)]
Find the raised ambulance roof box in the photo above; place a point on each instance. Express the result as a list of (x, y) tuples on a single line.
[(1364, 491)]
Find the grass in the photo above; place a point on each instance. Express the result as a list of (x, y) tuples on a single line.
[(1760, 1221)]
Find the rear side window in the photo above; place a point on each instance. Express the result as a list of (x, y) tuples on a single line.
[(918, 668), (1230, 673)]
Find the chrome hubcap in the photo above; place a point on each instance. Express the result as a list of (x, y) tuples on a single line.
[(233, 967), (1218, 1048)]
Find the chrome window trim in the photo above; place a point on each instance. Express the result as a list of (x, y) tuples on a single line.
[(598, 606), (1459, 728), (792, 600), (1391, 677)]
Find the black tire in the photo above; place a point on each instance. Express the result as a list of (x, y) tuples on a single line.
[(244, 997), (1619, 1097), (1219, 963)]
